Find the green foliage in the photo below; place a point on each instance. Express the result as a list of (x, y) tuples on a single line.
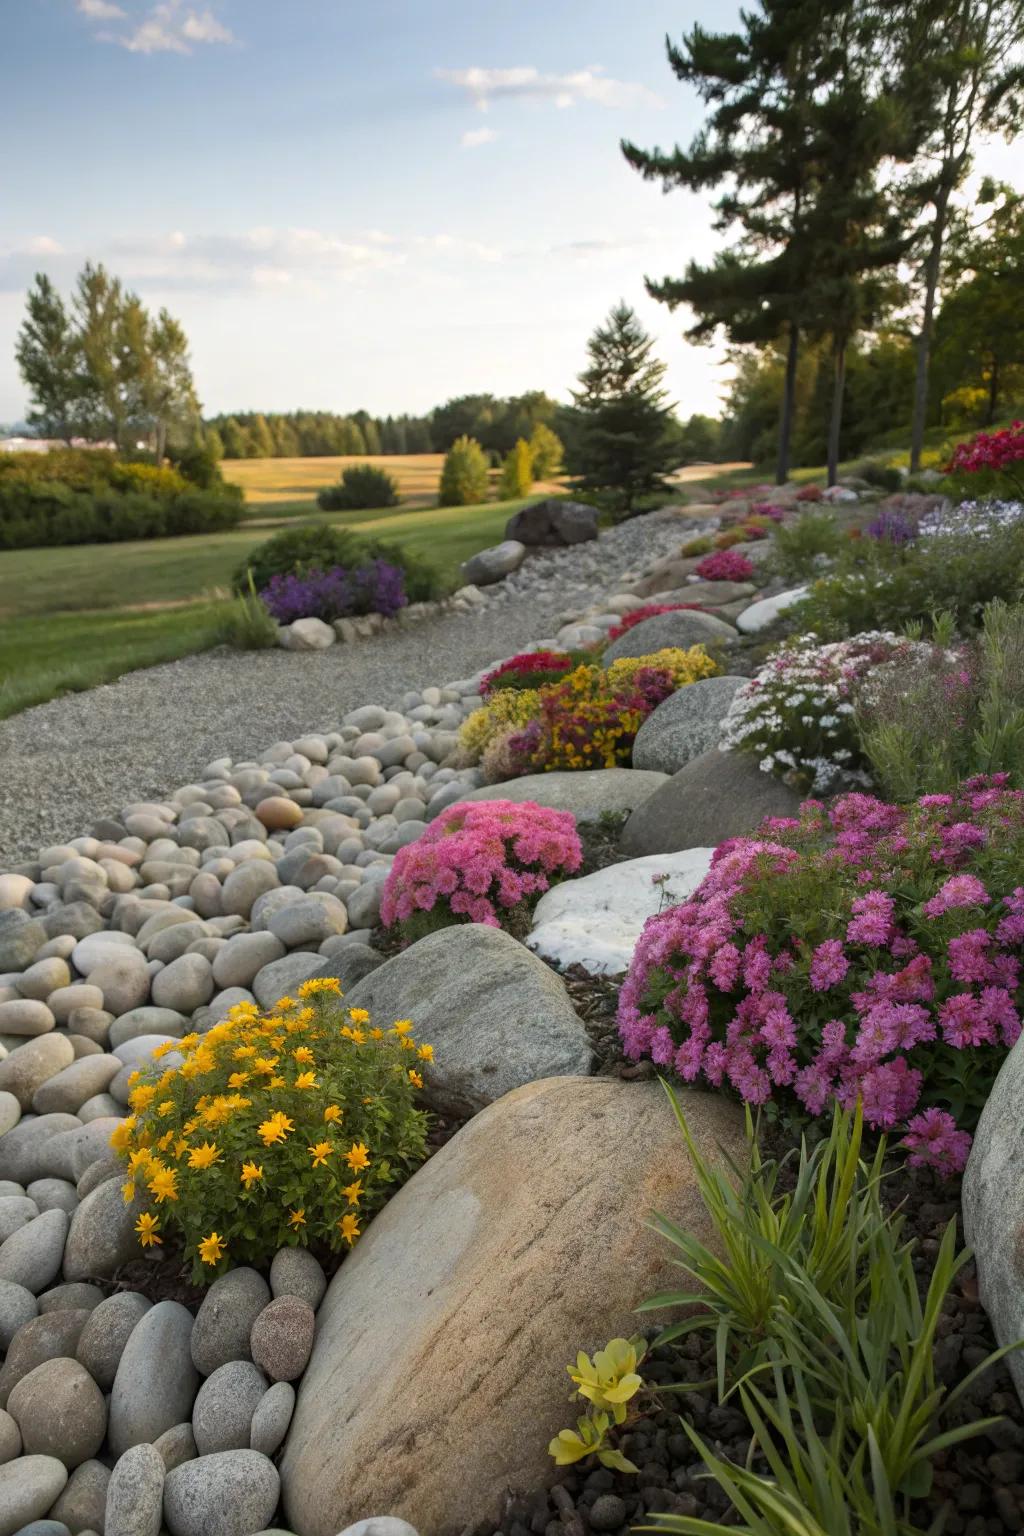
[(516, 478), (927, 726), (495, 423), (248, 626), (546, 452), (284, 1129), (821, 1331), (361, 486), (35, 513), (886, 477), (321, 546), (801, 548), (703, 544), (464, 478)]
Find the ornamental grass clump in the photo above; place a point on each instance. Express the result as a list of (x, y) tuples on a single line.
[(867, 950), (797, 714), (483, 862), (285, 1129)]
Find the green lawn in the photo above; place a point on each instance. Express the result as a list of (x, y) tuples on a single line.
[(74, 617)]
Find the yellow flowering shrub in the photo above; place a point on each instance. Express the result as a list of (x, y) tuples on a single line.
[(278, 1129), (683, 667), (506, 709)]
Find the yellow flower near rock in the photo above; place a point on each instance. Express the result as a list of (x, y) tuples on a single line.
[(348, 1226), (164, 1185), (357, 1156), (276, 1129), (212, 1249), (297, 1219), (148, 1228), (415, 1078), (204, 1156), (353, 1191), (305, 1080)]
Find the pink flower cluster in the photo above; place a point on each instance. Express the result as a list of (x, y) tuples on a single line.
[(724, 565), (479, 860), (997, 451), (869, 950)]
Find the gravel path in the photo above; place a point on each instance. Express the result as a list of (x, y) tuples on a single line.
[(85, 755)]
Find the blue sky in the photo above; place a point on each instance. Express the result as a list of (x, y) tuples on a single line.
[(346, 204)]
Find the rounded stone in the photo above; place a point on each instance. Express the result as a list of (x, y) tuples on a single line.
[(25, 1016), (107, 1331), (43, 977), (185, 985), (176, 1446), (156, 1382), (102, 1236), (60, 1411), (225, 1320), (18, 1306), (282, 1337), (135, 1494), (68, 1090), (309, 921), (224, 1407), (53, 1195), (81, 994), (123, 979), (278, 813), (10, 1437), (296, 1272), (29, 1487), (82, 1506), (10, 1112), (32, 1256), (16, 1211), (75, 1297), (244, 956), (272, 1417), (230, 1494), (51, 1336), (245, 883), (382, 1525)]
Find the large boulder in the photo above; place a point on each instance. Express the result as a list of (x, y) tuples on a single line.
[(588, 793), (553, 522), (993, 1207), (716, 796), (510, 1250), (762, 614), (681, 628), (496, 1016), (595, 922), (686, 724), (490, 565)]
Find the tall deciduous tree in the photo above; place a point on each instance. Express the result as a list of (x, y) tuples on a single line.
[(464, 480), (48, 353), (980, 331), (516, 472), (623, 444)]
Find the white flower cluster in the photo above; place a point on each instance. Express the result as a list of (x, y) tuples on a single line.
[(796, 714), (976, 519)]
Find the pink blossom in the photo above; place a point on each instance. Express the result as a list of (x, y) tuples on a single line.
[(958, 891), (933, 1141), (829, 965)]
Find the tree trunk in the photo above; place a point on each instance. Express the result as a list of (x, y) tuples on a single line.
[(933, 267), (788, 399), (838, 385), (161, 439)]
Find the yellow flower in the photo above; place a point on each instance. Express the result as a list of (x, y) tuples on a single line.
[(238, 1079), (426, 1053), (212, 1249), (128, 1191), (333, 1113), (359, 1016), (275, 1129), (357, 1156), (163, 1185), (306, 1080), (166, 1108), (319, 984), (320, 1153), (139, 1159), (243, 1052), (204, 1156), (353, 1191), (297, 1218), (376, 1034), (357, 1036), (147, 1227), (188, 1042), (265, 1064), (277, 1082), (285, 1002), (348, 1226), (402, 1026), (159, 1051), (252, 1173), (304, 1056), (415, 1078), (121, 1135), (407, 1043)]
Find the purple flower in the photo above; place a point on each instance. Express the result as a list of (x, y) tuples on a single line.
[(958, 891), (828, 965), (933, 1141)]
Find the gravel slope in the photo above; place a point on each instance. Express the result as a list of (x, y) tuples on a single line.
[(83, 756)]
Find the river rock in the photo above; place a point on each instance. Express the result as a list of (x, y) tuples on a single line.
[(297, 1272), (60, 1411), (282, 1337), (18, 1306), (25, 1016), (10, 1434), (67, 1090), (681, 628), (469, 1266), (272, 1417), (82, 1506), (28, 1488), (102, 1237), (106, 1333), (51, 1336), (10, 1112), (184, 985), (281, 978), (760, 615), (553, 522), (156, 1382), (490, 565), (135, 1494), (231, 1494), (496, 1016), (716, 796), (225, 1404), (27, 1068), (588, 794), (32, 1256), (685, 724), (225, 1319)]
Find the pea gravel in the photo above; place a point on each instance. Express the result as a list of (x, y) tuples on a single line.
[(85, 755)]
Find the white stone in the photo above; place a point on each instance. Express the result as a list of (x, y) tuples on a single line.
[(760, 615), (307, 635), (595, 922)]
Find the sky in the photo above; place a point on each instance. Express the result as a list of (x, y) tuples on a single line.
[(349, 205)]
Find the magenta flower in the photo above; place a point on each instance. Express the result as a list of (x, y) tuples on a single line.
[(958, 891), (829, 965)]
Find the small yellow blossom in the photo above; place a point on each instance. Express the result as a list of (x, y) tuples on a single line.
[(320, 1153), (285, 1002), (252, 1173), (297, 1218), (333, 1113), (147, 1227), (304, 1056), (359, 1016), (128, 1191), (425, 1053), (305, 1080), (238, 1079), (212, 1249), (376, 1033), (275, 1129), (204, 1156), (353, 1191), (415, 1079), (357, 1156), (348, 1226), (319, 984), (402, 1026), (163, 1185)]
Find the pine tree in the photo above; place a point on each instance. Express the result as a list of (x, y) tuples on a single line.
[(49, 356), (464, 478), (516, 473), (546, 452), (623, 443), (236, 439), (261, 439)]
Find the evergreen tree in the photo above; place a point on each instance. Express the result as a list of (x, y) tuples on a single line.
[(464, 478), (236, 440), (546, 452), (48, 353), (261, 441), (101, 325), (623, 443), (516, 473), (214, 444)]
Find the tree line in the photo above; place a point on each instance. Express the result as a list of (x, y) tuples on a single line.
[(837, 139)]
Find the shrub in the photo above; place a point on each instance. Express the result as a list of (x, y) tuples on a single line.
[(285, 1129), (886, 477), (546, 452), (682, 667), (996, 455), (248, 626), (529, 669), (361, 486), (944, 713), (796, 715), (650, 611), (336, 594), (504, 709), (702, 545), (516, 473), (802, 547), (487, 862), (464, 478), (724, 565), (321, 547), (868, 950), (728, 537), (39, 513)]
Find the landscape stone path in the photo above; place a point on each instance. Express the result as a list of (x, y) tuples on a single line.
[(82, 756)]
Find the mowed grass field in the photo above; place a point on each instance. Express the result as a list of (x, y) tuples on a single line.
[(74, 617), (269, 481)]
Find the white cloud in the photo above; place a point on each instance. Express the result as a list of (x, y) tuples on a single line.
[(43, 245), (99, 10), (528, 83), (474, 137)]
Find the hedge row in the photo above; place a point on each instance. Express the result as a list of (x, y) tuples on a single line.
[(48, 512)]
